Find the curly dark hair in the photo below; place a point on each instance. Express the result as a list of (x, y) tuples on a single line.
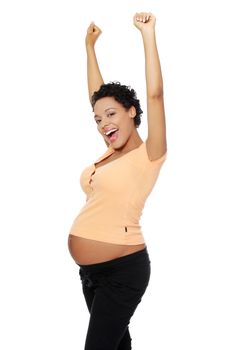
[(122, 94)]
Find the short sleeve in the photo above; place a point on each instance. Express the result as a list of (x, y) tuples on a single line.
[(140, 158), (158, 161)]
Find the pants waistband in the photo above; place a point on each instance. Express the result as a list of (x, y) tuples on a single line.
[(141, 254)]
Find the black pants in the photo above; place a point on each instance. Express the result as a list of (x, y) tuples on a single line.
[(112, 291)]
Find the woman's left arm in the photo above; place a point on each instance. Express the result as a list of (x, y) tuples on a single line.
[(156, 141)]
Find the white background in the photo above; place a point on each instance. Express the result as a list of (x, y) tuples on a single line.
[(48, 135)]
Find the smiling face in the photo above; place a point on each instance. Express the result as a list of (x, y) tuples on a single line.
[(114, 122)]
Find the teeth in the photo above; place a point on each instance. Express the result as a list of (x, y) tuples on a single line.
[(109, 132)]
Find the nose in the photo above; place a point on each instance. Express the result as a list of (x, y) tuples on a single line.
[(103, 124)]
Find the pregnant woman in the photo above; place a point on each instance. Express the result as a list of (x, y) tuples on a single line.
[(105, 239)]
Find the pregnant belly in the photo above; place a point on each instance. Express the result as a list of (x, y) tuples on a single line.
[(87, 251)]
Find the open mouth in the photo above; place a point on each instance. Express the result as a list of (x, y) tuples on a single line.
[(112, 134)]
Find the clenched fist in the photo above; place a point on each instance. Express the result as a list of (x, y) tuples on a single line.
[(93, 32), (144, 20)]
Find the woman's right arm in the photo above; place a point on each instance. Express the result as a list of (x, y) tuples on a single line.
[(94, 77)]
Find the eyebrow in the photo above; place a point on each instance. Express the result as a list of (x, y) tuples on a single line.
[(96, 116)]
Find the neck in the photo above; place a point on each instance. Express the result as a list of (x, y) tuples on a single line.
[(134, 141)]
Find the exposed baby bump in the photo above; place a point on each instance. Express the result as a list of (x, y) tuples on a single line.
[(87, 251)]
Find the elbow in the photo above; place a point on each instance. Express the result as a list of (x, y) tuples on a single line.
[(156, 94)]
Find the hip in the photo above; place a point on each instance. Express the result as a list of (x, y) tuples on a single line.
[(132, 270)]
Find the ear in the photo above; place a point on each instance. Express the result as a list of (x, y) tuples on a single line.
[(132, 112)]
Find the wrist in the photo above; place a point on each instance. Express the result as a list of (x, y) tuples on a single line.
[(89, 46), (148, 32)]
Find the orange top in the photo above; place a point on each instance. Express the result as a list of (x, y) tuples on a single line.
[(116, 194)]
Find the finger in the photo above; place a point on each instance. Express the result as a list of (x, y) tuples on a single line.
[(138, 17), (97, 29), (144, 17), (90, 28), (91, 25), (151, 16)]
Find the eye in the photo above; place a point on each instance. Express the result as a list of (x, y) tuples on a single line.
[(98, 121), (111, 114)]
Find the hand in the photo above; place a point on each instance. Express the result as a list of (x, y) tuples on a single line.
[(93, 32), (144, 21)]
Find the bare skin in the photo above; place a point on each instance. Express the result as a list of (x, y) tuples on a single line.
[(86, 251)]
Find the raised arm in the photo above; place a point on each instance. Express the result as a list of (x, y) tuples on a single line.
[(94, 77), (156, 140)]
